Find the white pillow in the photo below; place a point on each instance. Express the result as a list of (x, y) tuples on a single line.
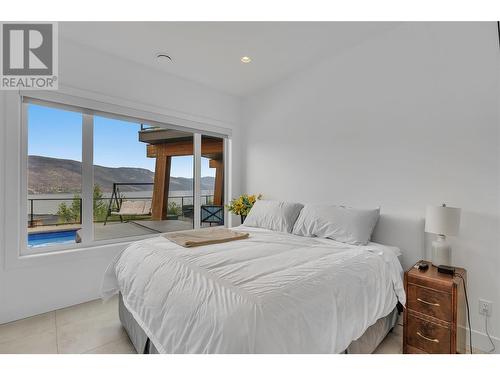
[(343, 224), (274, 215)]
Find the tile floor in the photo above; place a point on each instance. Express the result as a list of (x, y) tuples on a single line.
[(94, 328), (393, 342)]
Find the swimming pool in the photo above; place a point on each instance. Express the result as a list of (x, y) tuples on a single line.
[(52, 238)]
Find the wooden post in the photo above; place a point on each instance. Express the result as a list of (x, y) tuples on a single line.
[(161, 187), (219, 181)]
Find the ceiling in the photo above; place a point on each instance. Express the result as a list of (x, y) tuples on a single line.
[(210, 52)]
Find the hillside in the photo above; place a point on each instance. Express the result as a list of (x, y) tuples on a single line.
[(50, 175)]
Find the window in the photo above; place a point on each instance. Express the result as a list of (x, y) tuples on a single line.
[(96, 177), (54, 175)]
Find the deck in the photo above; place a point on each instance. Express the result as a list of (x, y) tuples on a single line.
[(138, 228), (117, 229)]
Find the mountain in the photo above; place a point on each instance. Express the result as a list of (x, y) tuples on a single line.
[(51, 175)]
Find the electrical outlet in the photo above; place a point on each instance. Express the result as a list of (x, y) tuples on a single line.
[(485, 307)]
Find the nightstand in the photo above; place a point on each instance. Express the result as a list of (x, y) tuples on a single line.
[(434, 317)]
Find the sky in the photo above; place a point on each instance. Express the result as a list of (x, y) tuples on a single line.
[(58, 134)]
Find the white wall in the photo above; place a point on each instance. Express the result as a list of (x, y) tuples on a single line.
[(62, 280), (406, 119)]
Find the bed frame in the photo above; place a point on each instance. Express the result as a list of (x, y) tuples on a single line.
[(366, 344)]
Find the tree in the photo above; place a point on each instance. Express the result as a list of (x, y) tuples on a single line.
[(71, 214), (100, 208)]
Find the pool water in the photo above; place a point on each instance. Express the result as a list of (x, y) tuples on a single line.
[(52, 238)]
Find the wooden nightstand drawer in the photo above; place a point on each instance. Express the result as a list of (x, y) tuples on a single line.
[(435, 311), (430, 302), (428, 336)]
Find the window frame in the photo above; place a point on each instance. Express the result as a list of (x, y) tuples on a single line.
[(90, 108)]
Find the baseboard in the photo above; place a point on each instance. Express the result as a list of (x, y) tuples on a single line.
[(481, 342)]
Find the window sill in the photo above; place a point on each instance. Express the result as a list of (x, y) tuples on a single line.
[(101, 249)]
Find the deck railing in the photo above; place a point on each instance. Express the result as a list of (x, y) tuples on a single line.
[(37, 218), (48, 218)]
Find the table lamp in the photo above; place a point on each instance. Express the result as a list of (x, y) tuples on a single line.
[(443, 221)]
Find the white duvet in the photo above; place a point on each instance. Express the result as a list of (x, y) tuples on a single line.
[(271, 293)]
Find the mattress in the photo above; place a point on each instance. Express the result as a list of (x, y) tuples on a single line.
[(271, 293)]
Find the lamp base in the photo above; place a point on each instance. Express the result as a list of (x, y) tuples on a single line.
[(441, 251)]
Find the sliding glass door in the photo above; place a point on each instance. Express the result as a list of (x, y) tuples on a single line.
[(212, 181)]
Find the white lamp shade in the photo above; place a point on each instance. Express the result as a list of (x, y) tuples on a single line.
[(442, 220)]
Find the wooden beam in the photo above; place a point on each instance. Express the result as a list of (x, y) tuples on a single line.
[(212, 146), (209, 146), (159, 203), (151, 151), (214, 163)]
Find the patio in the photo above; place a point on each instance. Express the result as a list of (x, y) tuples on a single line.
[(113, 230)]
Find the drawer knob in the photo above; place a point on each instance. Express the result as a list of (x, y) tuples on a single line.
[(427, 303), (427, 338)]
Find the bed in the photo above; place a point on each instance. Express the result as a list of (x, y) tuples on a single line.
[(271, 293)]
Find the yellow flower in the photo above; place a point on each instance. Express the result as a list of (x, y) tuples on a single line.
[(243, 204)]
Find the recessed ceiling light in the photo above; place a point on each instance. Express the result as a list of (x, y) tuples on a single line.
[(162, 56), (246, 60)]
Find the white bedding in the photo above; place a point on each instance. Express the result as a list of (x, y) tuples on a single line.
[(271, 293)]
